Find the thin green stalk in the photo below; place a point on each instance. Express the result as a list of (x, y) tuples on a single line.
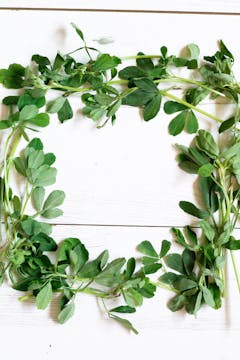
[(55, 85), (94, 292), (235, 270), (190, 106), (190, 81), (135, 57), (28, 195)]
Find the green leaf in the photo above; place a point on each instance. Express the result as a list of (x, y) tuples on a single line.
[(132, 297), (38, 195), (44, 296), (183, 284), (35, 159), (206, 170), (54, 199), (5, 124), (58, 61), (146, 85), (46, 176), (174, 261), (152, 268), (194, 51), (41, 60), (225, 50), (66, 313), (191, 235), (52, 213), (130, 72), (144, 64), (152, 108), (208, 230), (20, 166), (208, 297), (55, 105), (78, 31), (205, 185), (206, 143), (224, 237), (36, 144), (131, 264), (78, 257), (188, 258), (177, 303), (168, 278), (147, 290), (123, 309), (105, 62), (94, 267), (165, 247), (170, 107), (125, 323), (177, 124), (49, 159), (114, 108), (110, 276), (10, 100), (65, 113), (31, 226), (232, 244), (28, 112), (195, 95), (220, 261), (231, 151), (227, 124), (138, 98), (44, 242), (12, 78), (191, 209), (16, 203), (41, 120), (97, 114), (145, 247), (179, 237), (191, 122), (198, 302)]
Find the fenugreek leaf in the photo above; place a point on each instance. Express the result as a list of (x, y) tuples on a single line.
[(44, 296)]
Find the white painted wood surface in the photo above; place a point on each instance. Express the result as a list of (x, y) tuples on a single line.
[(125, 175), (222, 6)]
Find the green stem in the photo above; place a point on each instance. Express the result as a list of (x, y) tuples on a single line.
[(27, 198), (135, 57), (58, 86), (235, 270), (190, 106), (190, 81), (94, 292)]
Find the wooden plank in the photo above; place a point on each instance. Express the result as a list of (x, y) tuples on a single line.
[(126, 174), (208, 6)]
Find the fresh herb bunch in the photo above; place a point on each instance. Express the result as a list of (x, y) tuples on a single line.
[(198, 275)]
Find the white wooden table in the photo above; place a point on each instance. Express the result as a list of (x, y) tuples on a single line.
[(122, 182)]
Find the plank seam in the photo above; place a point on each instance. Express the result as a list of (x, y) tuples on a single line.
[(123, 11)]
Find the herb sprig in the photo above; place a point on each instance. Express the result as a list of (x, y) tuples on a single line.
[(196, 276)]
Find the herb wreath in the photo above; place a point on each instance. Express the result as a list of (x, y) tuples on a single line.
[(198, 272)]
